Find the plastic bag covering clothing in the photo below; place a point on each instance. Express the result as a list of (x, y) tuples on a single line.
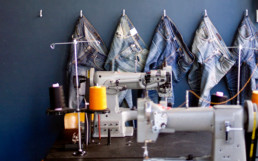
[(168, 44), (91, 54), (213, 60), (247, 37), (128, 53)]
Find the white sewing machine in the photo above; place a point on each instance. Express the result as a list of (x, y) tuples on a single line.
[(116, 82), (227, 123)]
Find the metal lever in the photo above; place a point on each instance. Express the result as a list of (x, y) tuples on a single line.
[(229, 128)]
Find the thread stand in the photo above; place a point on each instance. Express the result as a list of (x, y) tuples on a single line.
[(74, 43), (59, 112)]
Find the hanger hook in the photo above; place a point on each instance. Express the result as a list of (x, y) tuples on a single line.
[(164, 13), (52, 46), (246, 12), (205, 13), (123, 12), (80, 13), (40, 13)]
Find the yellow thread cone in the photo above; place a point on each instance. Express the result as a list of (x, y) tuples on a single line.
[(71, 120), (98, 98)]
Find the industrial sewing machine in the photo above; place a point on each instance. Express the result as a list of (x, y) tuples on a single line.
[(227, 123), (116, 82)]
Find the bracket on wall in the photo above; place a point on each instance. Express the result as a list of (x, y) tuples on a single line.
[(205, 13), (164, 13), (40, 13), (257, 15), (80, 13), (123, 12), (246, 12)]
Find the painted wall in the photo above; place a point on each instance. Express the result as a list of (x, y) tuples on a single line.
[(28, 66)]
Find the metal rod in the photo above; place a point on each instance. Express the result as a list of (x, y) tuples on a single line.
[(113, 65), (86, 129), (77, 92), (52, 46), (109, 137), (238, 73), (236, 47), (187, 99), (135, 64)]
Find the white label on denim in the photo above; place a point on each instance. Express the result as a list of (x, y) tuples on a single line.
[(133, 31)]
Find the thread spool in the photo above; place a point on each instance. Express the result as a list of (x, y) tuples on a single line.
[(56, 95), (255, 96), (98, 98), (218, 98)]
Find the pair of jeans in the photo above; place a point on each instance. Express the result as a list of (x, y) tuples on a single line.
[(128, 53), (168, 45), (247, 37), (213, 61), (91, 54)]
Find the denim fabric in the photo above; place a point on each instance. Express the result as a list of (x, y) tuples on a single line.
[(247, 37), (89, 55), (213, 60), (168, 45), (128, 52)]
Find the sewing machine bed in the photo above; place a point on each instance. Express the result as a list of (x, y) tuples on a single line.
[(179, 144)]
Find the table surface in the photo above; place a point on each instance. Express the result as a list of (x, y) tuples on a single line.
[(179, 144)]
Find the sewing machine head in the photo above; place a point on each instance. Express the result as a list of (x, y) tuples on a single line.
[(226, 122), (117, 81)]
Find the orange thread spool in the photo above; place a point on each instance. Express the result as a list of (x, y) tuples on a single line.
[(255, 96), (98, 98)]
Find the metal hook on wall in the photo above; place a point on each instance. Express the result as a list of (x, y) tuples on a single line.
[(40, 13), (123, 12), (164, 13), (80, 13), (246, 12), (205, 13)]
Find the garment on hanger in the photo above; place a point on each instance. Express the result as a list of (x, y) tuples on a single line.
[(247, 37), (90, 54), (127, 53), (213, 60), (168, 45)]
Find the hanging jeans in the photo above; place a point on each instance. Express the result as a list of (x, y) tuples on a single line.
[(247, 37), (213, 61), (168, 45), (91, 54), (128, 53)]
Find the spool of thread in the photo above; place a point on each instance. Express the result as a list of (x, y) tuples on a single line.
[(98, 98), (56, 95), (255, 96), (218, 98)]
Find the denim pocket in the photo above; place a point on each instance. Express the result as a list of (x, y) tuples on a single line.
[(90, 57), (98, 61), (83, 54), (203, 33), (225, 64), (129, 52), (126, 60), (244, 32)]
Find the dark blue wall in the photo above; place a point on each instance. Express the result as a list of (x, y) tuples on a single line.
[(28, 66)]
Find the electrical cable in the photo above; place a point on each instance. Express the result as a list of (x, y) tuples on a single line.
[(217, 103), (253, 137)]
